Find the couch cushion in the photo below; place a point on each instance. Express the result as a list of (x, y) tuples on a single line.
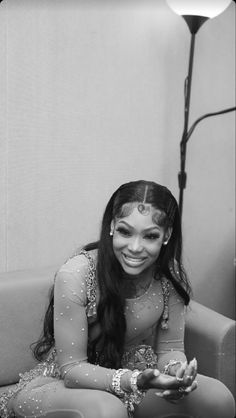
[(23, 301)]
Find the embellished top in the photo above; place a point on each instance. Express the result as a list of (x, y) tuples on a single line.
[(154, 335), (76, 297)]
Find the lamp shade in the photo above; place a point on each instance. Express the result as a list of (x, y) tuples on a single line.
[(206, 8)]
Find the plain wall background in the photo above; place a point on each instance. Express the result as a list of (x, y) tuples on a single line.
[(91, 97)]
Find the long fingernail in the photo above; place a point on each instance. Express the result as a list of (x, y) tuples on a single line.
[(156, 372), (166, 392), (184, 365), (159, 394)]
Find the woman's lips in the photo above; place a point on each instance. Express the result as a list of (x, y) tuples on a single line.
[(133, 261)]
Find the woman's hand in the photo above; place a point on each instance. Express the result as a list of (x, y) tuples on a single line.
[(172, 387), (154, 379), (186, 376)]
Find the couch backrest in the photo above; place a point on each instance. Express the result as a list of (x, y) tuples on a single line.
[(23, 302)]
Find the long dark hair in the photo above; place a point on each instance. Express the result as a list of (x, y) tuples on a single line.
[(110, 310)]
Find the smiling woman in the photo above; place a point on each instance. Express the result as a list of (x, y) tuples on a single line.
[(137, 241), (114, 327)]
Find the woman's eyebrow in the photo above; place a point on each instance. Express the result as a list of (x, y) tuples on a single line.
[(149, 228), (124, 222)]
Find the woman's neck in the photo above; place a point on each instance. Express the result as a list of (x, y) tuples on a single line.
[(136, 286)]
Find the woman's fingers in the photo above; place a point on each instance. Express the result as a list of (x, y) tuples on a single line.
[(146, 377), (192, 387), (169, 382), (181, 371), (191, 371), (185, 376), (177, 394), (152, 378)]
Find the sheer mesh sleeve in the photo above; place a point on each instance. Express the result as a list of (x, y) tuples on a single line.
[(71, 328), (170, 342)]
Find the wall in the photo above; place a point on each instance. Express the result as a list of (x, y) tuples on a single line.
[(91, 97)]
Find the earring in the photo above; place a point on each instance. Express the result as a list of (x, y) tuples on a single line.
[(165, 242), (111, 233)]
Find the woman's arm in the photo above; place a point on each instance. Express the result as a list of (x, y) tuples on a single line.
[(170, 342), (71, 328)]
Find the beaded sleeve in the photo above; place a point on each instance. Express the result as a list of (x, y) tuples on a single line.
[(170, 340), (74, 304)]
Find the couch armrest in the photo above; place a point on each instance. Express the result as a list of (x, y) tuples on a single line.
[(210, 337), (23, 302)]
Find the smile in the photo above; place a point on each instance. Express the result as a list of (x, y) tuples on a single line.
[(133, 261)]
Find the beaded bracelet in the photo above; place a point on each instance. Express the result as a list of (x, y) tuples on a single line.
[(135, 396), (171, 363), (133, 380), (116, 382)]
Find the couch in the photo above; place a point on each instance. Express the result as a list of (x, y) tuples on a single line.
[(209, 336)]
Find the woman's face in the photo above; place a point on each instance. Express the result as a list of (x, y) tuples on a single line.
[(137, 240)]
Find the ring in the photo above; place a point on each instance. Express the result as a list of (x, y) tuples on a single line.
[(188, 376), (180, 379), (181, 389)]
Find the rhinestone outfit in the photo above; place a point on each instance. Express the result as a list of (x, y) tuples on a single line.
[(76, 297)]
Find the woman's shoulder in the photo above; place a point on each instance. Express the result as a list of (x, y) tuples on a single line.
[(169, 290), (76, 279), (79, 262)]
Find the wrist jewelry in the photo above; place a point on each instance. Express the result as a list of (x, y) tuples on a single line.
[(116, 382), (135, 396), (132, 398), (133, 381), (170, 364)]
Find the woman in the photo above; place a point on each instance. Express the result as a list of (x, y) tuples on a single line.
[(113, 342)]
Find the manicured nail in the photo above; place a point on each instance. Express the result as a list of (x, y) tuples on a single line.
[(184, 365), (166, 392), (156, 372), (159, 394)]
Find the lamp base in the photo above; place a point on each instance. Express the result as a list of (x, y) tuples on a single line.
[(194, 22)]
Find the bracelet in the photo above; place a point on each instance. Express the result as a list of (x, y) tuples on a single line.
[(116, 382), (133, 381), (135, 396), (171, 363)]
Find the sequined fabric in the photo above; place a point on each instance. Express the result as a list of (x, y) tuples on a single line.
[(137, 357), (140, 357), (91, 308), (48, 368)]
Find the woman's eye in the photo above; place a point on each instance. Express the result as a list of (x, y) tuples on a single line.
[(152, 237), (124, 232)]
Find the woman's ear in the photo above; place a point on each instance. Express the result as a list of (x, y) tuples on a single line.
[(167, 235), (112, 228)]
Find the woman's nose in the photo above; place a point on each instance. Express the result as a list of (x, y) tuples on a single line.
[(135, 244)]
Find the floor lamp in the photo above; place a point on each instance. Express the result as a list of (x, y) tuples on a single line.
[(195, 13)]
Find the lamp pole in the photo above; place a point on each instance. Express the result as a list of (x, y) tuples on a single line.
[(195, 13), (182, 176), (194, 23)]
